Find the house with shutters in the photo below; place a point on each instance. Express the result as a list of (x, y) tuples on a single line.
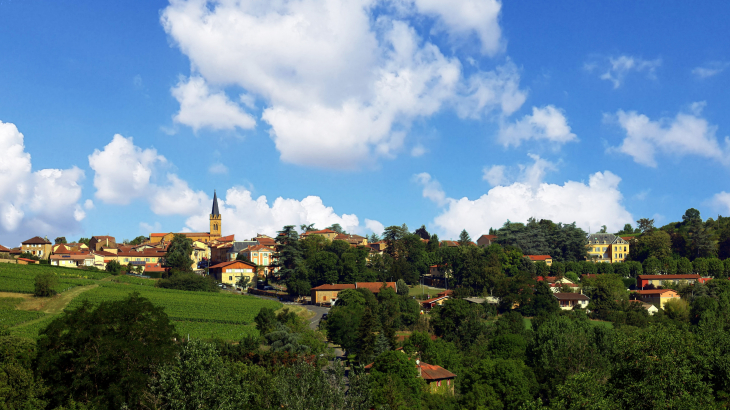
[(37, 246), (230, 272), (327, 293), (606, 248)]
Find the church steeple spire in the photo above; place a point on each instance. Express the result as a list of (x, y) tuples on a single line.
[(215, 219), (215, 205)]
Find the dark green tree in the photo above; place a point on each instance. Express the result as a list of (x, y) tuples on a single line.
[(464, 238), (178, 254), (105, 355), (423, 233), (114, 267), (138, 240), (45, 284), (60, 240)]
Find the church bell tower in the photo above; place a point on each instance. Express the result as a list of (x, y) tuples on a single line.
[(215, 219)]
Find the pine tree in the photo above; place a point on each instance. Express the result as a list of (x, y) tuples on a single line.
[(464, 238), (367, 336)]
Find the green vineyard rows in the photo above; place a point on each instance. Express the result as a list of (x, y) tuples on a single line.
[(133, 280), (61, 272), (197, 307), (12, 317), (14, 281)]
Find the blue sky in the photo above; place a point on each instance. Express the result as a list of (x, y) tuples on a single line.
[(455, 115)]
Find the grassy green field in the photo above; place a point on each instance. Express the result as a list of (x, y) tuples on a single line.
[(427, 290), (21, 278), (199, 315)]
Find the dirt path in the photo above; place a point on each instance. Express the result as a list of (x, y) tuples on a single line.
[(53, 305), (59, 302)]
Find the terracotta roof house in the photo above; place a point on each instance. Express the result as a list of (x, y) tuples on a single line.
[(327, 293), (438, 379), (659, 280), (230, 272), (354, 240), (327, 233), (96, 242), (541, 258), (25, 261), (486, 240), (37, 246), (568, 301), (438, 300), (657, 297), (5, 252)]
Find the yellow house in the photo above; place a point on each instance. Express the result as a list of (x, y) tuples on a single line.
[(230, 272), (40, 247), (327, 233), (657, 297), (606, 248), (263, 256), (541, 258)]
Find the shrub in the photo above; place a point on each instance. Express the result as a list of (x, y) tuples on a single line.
[(44, 284), (114, 267), (188, 281)]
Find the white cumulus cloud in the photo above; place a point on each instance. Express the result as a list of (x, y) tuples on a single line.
[(200, 108), (463, 17), (339, 84), (615, 69), (545, 124), (246, 216), (531, 174), (123, 171), (599, 202), (44, 202), (685, 134)]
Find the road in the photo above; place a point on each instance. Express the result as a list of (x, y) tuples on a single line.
[(314, 321)]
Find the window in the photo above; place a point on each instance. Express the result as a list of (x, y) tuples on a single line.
[(146, 259), (230, 278), (126, 259), (438, 383)]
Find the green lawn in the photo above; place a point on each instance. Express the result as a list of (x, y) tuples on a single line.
[(432, 292)]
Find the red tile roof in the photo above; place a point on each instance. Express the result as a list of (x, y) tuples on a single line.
[(338, 286), (105, 253), (225, 264), (258, 248), (4, 249), (536, 258), (229, 238), (319, 232), (437, 298), (372, 286), (570, 296), (660, 277), (143, 254), (433, 372), (28, 260), (490, 237), (428, 371), (36, 240), (265, 241), (654, 291), (62, 249)]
